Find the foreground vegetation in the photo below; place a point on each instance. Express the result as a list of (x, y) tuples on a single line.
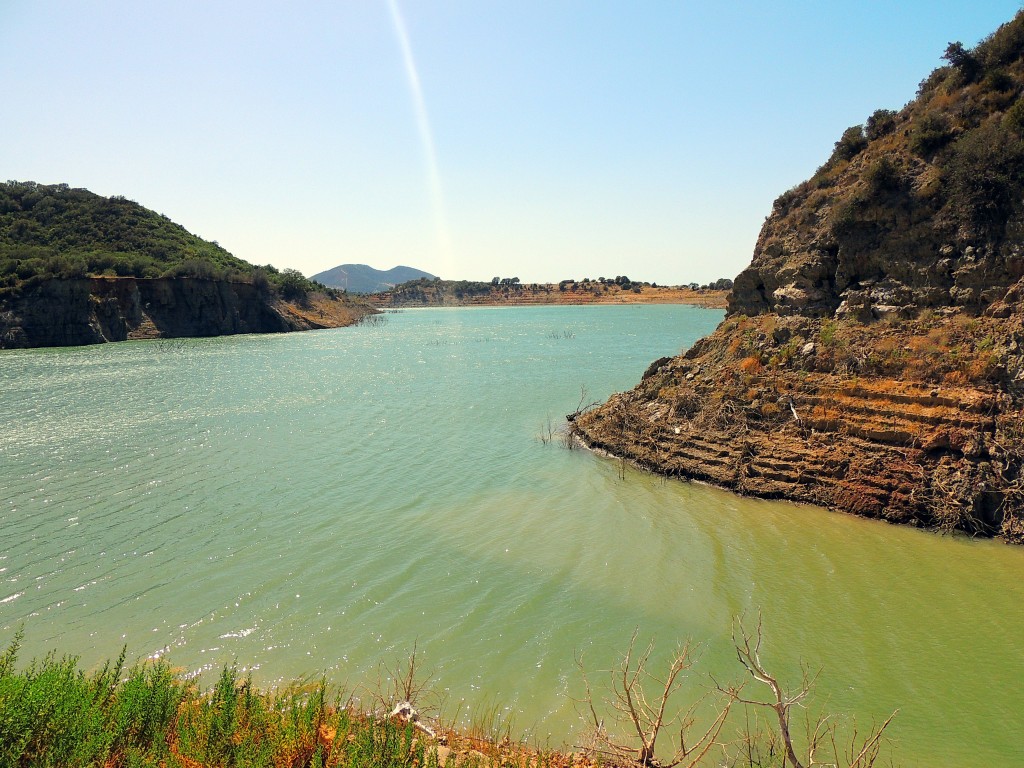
[(54, 714)]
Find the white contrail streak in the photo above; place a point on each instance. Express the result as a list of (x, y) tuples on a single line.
[(426, 137)]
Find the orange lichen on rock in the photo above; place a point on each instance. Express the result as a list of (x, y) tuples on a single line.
[(908, 449)]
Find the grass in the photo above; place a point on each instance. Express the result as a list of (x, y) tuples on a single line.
[(54, 714)]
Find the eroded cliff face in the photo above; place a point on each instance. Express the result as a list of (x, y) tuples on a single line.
[(841, 245), (95, 310), (916, 422), (870, 360)]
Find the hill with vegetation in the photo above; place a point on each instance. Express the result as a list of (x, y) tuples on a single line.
[(80, 268), (59, 231), (870, 359), (360, 278)]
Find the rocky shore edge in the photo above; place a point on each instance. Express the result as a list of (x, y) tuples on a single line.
[(771, 407), (94, 310)]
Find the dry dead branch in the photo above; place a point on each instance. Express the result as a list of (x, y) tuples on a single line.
[(821, 733), (583, 406), (642, 703), (748, 651)]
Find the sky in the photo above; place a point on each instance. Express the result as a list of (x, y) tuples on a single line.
[(539, 139)]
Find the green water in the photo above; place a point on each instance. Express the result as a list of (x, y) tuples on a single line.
[(321, 502)]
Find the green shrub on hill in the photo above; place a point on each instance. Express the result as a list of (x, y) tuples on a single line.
[(881, 123), (113, 235), (55, 231)]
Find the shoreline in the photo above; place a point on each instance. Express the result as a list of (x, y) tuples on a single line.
[(73, 312), (150, 713), (549, 295)]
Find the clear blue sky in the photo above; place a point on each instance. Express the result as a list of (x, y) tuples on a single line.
[(531, 139)]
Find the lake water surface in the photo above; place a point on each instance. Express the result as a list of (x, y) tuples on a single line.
[(321, 502)]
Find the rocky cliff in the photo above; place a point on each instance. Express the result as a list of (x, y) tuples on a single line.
[(870, 360), (69, 312)]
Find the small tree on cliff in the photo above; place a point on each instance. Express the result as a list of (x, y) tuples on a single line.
[(963, 60), (292, 285)]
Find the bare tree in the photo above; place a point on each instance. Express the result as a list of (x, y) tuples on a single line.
[(569, 433), (642, 707), (748, 651), (641, 702), (821, 733)]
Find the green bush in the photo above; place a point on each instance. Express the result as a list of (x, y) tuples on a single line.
[(1004, 46), (53, 714), (998, 80), (845, 217), (986, 178), (1014, 117), (931, 134), (881, 123), (850, 144), (931, 83), (963, 61), (787, 199), (292, 285), (883, 175)]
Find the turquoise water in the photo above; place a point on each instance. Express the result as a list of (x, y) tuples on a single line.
[(322, 502)]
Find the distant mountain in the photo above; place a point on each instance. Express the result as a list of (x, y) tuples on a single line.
[(359, 278)]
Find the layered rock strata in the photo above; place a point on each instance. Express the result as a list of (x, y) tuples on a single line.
[(935, 450)]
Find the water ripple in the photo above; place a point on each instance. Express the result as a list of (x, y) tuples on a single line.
[(328, 501)]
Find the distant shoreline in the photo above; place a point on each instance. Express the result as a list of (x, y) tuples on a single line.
[(552, 294)]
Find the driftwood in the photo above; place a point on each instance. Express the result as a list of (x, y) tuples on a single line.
[(406, 712)]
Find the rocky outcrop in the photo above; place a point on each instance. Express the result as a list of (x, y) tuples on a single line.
[(871, 357), (775, 407), (70, 312)]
